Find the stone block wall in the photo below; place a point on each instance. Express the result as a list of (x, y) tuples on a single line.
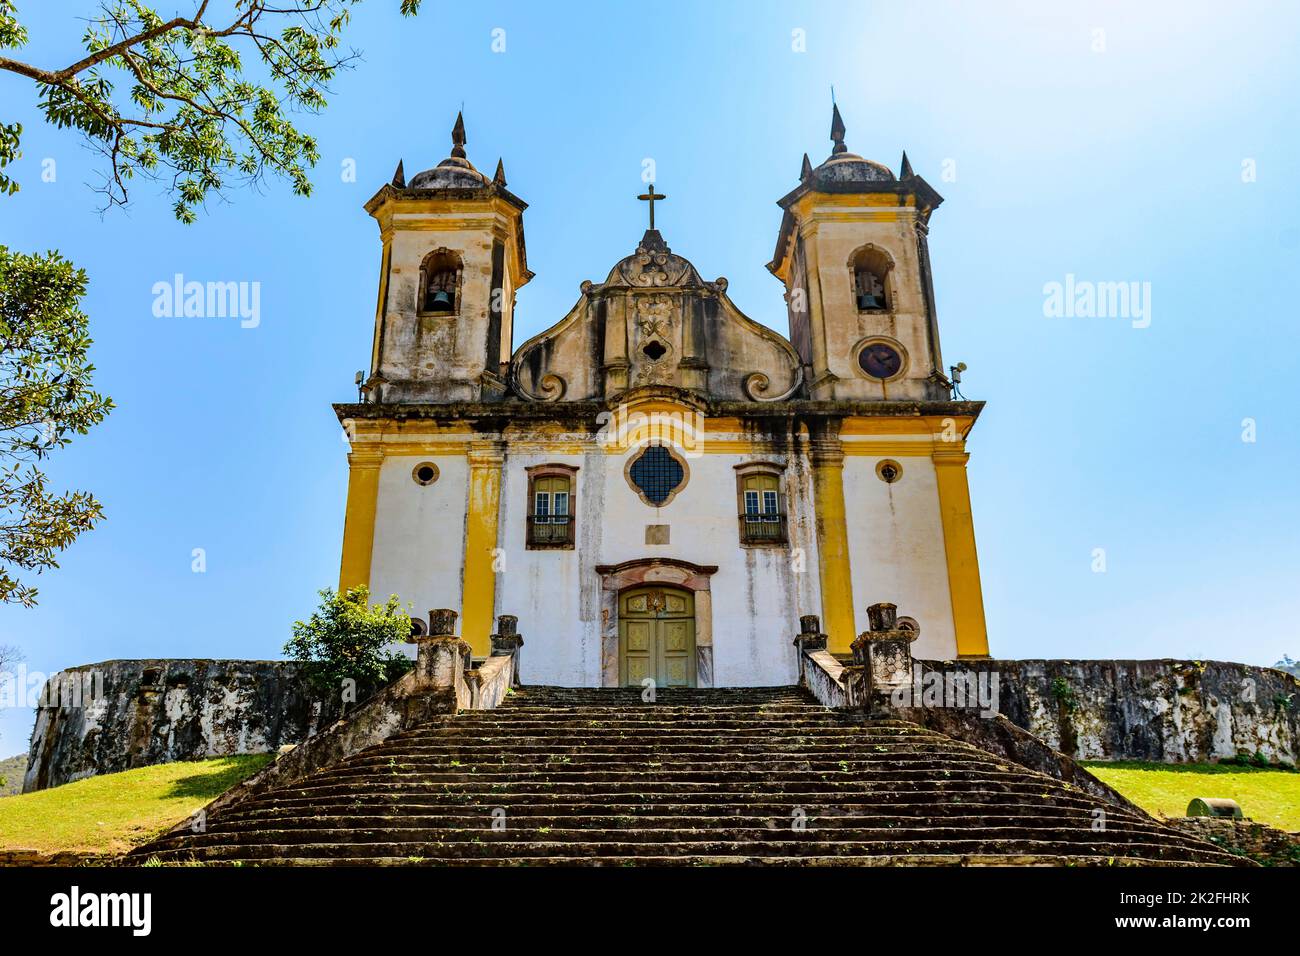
[(144, 712), (1161, 710)]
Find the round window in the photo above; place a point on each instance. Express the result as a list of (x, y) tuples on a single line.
[(425, 473), (889, 471)]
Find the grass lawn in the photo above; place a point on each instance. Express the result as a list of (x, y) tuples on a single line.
[(116, 811), (1266, 796)]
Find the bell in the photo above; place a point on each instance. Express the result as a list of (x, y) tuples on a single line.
[(869, 301), (441, 301)]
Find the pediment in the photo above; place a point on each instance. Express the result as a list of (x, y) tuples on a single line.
[(656, 322)]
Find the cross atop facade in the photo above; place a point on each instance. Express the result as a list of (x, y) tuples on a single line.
[(650, 197)]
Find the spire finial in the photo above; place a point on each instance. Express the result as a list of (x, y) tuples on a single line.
[(500, 178), (399, 176), (906, 170), (458, 137), (837, 130), (805, 172)]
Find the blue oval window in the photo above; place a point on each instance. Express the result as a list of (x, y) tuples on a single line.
[(657, 473)]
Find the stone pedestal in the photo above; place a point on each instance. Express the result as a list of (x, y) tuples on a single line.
[(885, 655), (810, 636), (442, 659), (507, 639)]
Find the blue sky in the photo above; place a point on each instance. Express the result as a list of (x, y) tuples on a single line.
[(1119, 165)]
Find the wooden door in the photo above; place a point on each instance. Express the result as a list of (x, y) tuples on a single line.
[(656, 630)]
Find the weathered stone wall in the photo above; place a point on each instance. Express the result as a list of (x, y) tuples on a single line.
[(1265, 845), (139, 713), (1163, 710)]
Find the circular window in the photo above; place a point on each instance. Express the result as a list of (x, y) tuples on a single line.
[(880, 360), (425, 473), (889, 471), (657, 474)]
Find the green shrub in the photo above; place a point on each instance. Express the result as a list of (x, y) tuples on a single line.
[(1064, 694), (348, 638)]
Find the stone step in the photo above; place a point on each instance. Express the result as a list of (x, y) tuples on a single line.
[(606, 750), (504, 849), (835, 761), (418, 767), (813, 806), (784, 839), (185, 858), (698, 777), (596, 818)]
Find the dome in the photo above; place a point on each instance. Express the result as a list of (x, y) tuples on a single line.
[(451, 173), (845, 168), (454, 172)]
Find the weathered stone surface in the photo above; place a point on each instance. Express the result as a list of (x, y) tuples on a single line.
[(999, 736), (600, 776), (40, 858), (1257, 841), (148, 712), (424, 695), (1165, 710)]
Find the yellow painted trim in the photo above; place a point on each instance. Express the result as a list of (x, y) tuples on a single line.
[(959, 545), (813, 200), (375, 429), (833, 551), (936, 426), (479, 586), (359, 519), (396, 449), (888, 449)]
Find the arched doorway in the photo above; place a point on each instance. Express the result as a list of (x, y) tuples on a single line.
[(656, 636)]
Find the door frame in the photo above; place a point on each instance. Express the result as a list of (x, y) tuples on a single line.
[(617, 578)]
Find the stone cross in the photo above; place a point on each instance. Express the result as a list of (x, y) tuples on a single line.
[(650, 197)]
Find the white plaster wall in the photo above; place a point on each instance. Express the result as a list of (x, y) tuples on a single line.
[(419, 544), (544, 588), (757, 594), (897, 551)]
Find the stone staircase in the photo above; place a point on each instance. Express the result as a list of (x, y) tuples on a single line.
[(699, 777)]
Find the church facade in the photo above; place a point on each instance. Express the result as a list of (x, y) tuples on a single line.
[(658, 486)]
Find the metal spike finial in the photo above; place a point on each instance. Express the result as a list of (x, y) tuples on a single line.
[(837, 130), (805, 172), (500, 178), (905, 171), (458, 137), (399, 176)]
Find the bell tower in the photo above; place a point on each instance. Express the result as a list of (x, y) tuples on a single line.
[(854, 257), (453, 259)]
